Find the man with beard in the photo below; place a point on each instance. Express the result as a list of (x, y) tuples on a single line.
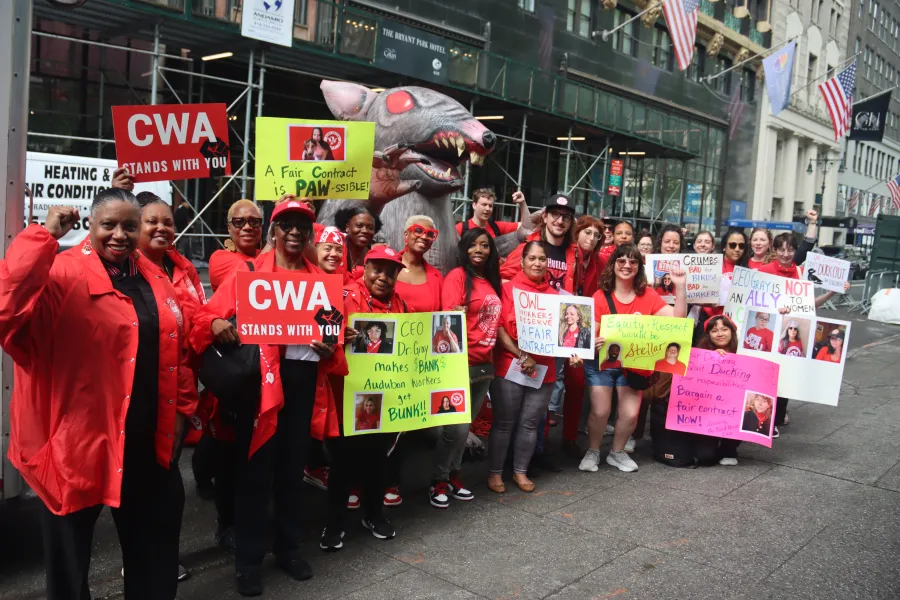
[(556, 233)]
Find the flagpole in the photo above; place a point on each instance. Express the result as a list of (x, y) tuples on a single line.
[(754, 57), (605, 34), (809, 83), (881, 93)]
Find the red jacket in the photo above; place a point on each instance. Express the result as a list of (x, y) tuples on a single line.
[(513, 263), (223, 263), (73, 338), (223, 306)]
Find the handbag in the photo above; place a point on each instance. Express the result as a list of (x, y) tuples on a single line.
[(231, 372), (636, 380), (481, 372)]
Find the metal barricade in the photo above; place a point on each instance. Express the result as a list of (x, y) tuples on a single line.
[(875, 282)]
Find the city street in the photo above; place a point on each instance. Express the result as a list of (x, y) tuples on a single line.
[(815, 517)]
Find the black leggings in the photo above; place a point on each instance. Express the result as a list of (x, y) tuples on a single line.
[(357, 459)]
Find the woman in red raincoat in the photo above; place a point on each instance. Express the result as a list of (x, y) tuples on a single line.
[(104, 430)]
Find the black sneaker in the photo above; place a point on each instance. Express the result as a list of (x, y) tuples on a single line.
[(332, 540), (295, 566), (775, 432), (225, 539), (380, 527), (206, 490), (249, 581), (439, 496)]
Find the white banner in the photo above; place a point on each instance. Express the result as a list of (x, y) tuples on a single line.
[(57, 179), (704, 276), (269, 21), (555, 325), (798, 341), (827, 272)]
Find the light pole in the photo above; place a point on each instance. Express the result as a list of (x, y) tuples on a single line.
[(826, 162)]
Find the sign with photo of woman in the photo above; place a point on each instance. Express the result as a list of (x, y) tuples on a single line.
[(555, 325)]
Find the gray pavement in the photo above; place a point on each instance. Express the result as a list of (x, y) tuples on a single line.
[(814, 518)]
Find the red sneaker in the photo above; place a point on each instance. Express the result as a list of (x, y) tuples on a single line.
[(353, 501), (392, 497), (458, 490), (317, 478)]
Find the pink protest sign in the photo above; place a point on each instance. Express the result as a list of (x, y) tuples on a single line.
[(731, 396)]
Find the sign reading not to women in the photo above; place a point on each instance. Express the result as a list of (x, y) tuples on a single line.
[(165, 142), (289, 308)]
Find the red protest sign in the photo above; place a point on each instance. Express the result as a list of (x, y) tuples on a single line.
[(164, 142), (315, 142), (289, 308)]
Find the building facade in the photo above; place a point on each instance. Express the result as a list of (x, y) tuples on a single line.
[(875, 37)]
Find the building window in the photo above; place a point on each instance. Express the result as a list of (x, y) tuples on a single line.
[(623, 40), (812, 66), (695, 71), (722, 84), (527, 5), (858, 43), (578, 17), (873, 14), (662, 49), (748, 86), (862, 8), (300, 12)]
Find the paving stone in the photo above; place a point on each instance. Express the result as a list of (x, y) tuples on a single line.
[(412, 584)]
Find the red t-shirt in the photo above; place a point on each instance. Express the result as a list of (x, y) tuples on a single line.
[(756, 265), (424, 297), (570, 338), (759, 339), (482, 313), (774, 268), (663, 366), (648, 304), (823, 355), (442, 343), (503, 226), (366, 421), (502, 358), (792, 348), (616, 364), (223, 263)]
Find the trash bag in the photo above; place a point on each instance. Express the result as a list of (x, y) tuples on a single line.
[(886, 306)]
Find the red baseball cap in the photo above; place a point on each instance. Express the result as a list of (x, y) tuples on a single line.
[(293, 206), (384, 253)]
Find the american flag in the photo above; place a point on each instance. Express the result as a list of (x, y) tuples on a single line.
[(894, 187), (838, 92), (854, 202), (735, 111), (681, 18), (874, 205)]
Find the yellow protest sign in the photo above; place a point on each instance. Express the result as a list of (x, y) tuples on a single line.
[(313, 159), (647, 342), (407, 371)]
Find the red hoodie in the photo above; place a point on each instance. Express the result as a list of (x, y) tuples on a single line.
[(513, 264), (502, 358)]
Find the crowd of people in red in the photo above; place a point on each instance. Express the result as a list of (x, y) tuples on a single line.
[(108, 431)]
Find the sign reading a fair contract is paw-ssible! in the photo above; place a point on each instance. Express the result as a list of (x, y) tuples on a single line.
[(165, 142)]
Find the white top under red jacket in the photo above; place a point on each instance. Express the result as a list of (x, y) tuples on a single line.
[(74, 340)]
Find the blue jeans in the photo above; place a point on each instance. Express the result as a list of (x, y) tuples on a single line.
[(559, 388)]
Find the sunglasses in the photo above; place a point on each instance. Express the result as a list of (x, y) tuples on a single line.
[(420, 231), (239, 222), (794, 328), (734, 245), (289, 226), (836, 336), (622, 262)]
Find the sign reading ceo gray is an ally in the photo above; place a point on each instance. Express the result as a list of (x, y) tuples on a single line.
[(412, 52)]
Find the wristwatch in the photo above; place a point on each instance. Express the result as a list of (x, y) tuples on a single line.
[(806, 221)]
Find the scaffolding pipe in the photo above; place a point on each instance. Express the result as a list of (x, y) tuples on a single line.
[(603, 188), (568, 153), (586, 171), (105, 45), (262, 77), (153, 84), (468, 165), (100, 107), (247, 113), (521, 160), (208, 204)]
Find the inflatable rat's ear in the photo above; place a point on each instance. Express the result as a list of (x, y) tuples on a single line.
[(347, 101)]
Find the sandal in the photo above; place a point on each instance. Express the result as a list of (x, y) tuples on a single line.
[(525, 486), (497, 488)]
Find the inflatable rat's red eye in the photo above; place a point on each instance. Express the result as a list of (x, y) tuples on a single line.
[(400, 102)]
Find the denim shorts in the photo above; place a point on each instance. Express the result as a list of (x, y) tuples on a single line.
[(606, 378)]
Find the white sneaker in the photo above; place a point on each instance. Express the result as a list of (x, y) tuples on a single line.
[(621, 461), (610, 430), (590, 461), (728, 462), (629, 445)]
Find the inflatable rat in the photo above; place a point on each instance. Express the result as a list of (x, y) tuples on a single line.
[(438, 134)]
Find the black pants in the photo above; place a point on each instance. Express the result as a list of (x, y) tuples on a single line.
[(316, 456), (358, 459), (728, 448), (276, 469), (395, 460), (148, 522), (780, 411), (205, 459)]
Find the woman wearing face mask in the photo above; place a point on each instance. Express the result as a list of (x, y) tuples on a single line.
[(362, 458), (244, 221), (474, 288), (625, 284), (359, 225), (518, 408), (104, 431), (704, 243), (271, 433), (833, 351), (720, 334), (419, 284)]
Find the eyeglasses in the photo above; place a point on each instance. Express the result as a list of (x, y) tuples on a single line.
[(239, 222), (427, 232), (734, 245), (289, 226), (626, 262), (558, 216), (785, 250)]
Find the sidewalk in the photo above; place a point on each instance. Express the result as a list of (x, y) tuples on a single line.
[(817, 517)]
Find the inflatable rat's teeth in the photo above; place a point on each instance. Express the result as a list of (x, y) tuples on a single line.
[(460, 146)]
